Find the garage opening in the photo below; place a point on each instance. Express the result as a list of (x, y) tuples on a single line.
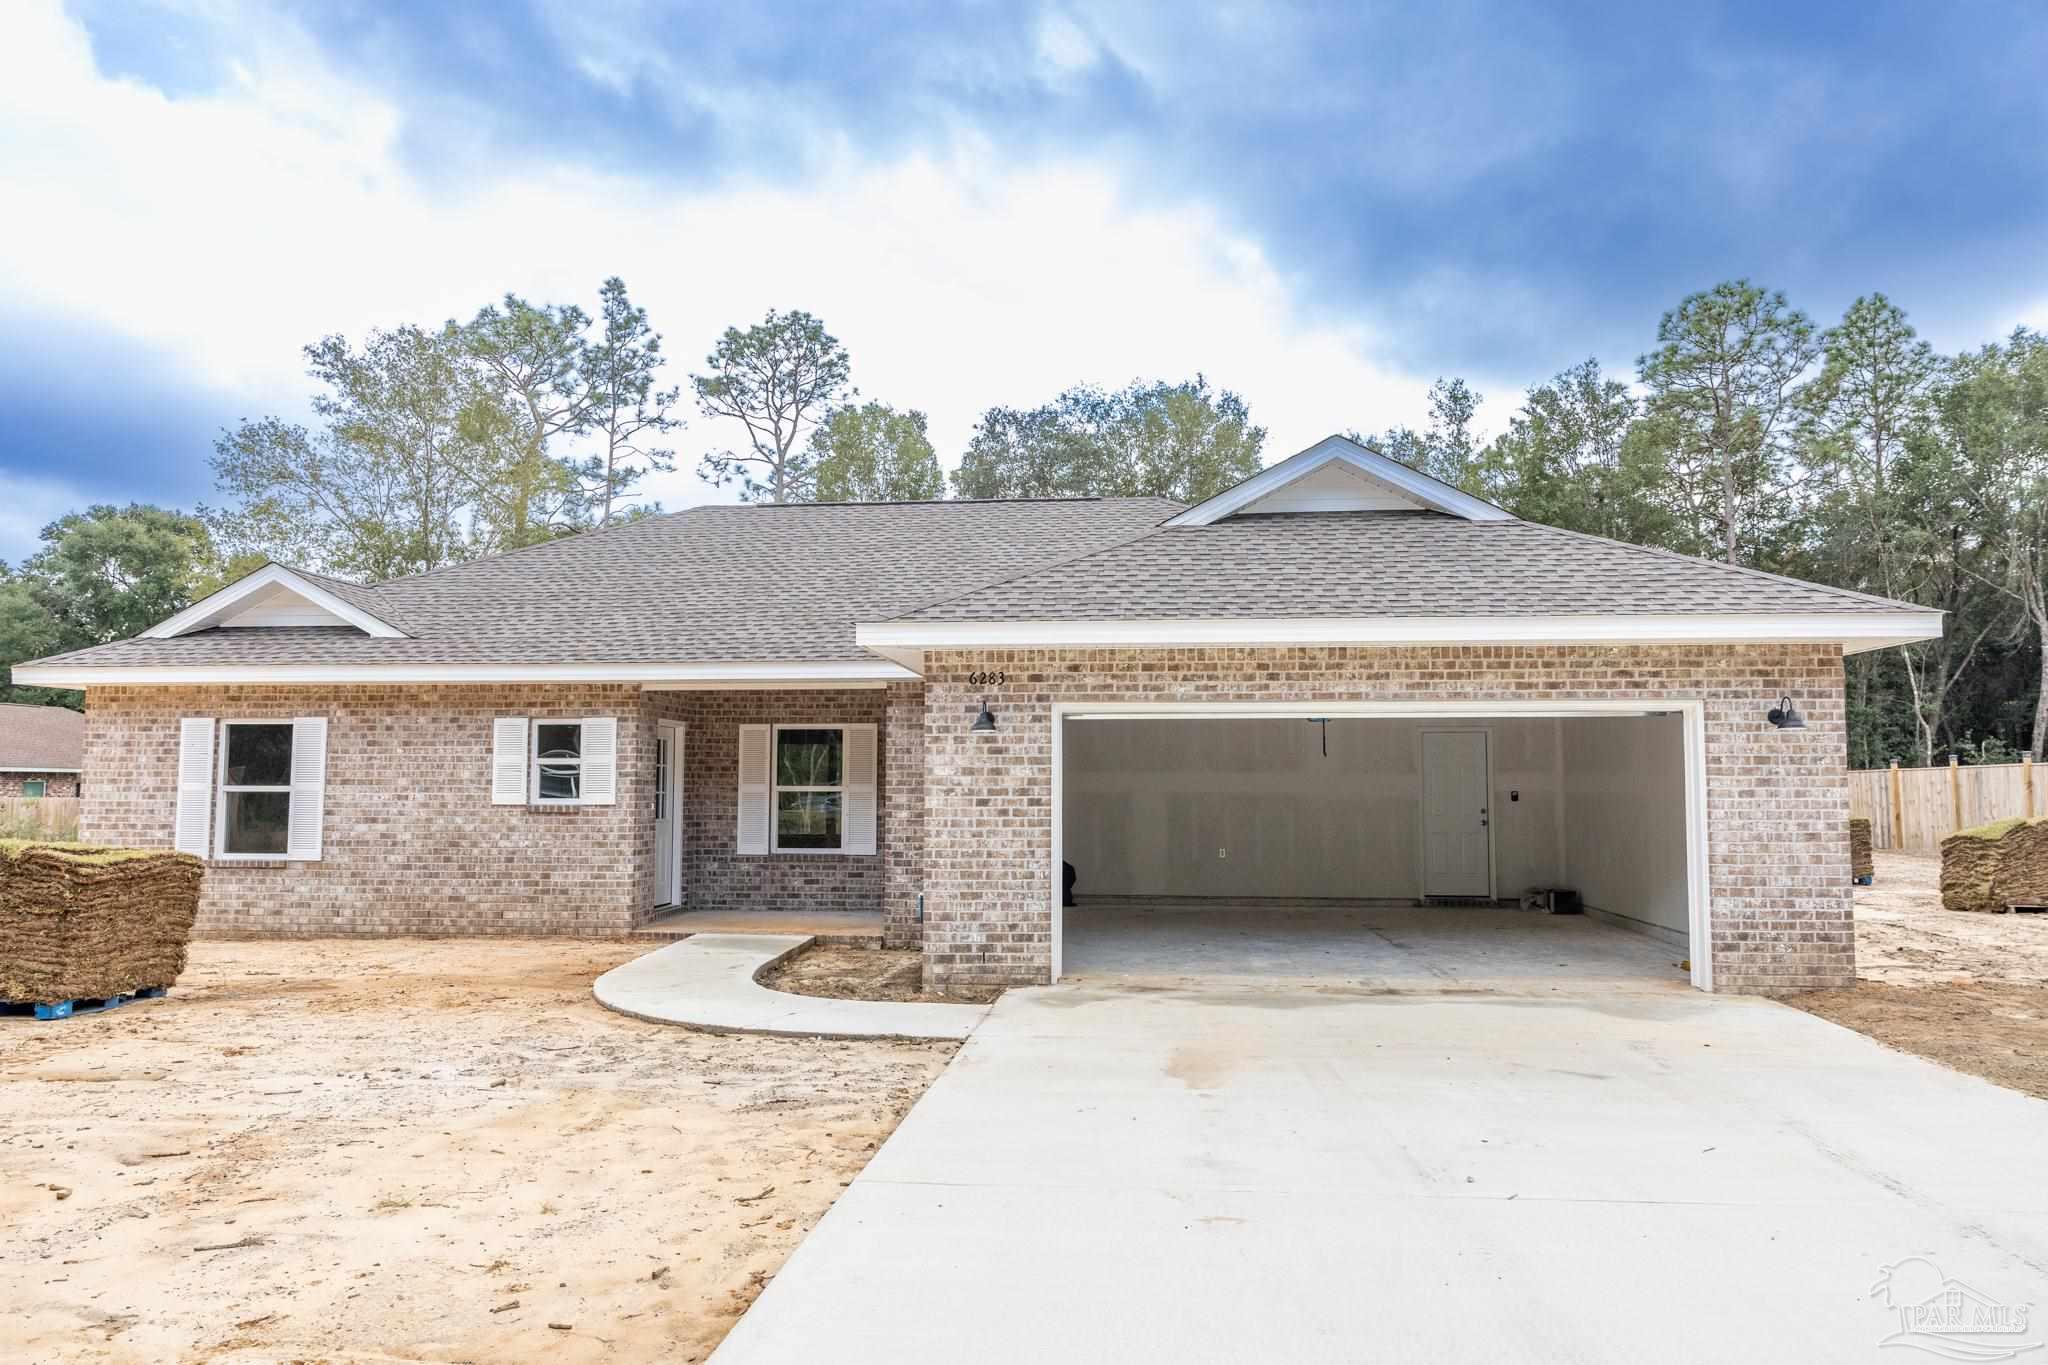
[(1381, 847)]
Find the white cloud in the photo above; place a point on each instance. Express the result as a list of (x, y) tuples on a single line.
[(235, 227)]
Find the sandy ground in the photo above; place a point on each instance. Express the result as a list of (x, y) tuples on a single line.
[(412, 1150), (1969, 991), (851, 973)]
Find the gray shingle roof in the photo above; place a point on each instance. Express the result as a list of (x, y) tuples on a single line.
[(1370, 564), (789, 584), (708, 584), (41, 738)]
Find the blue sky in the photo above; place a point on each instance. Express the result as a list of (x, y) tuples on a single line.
[(1322, 206)]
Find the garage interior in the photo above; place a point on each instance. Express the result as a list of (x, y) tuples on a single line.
[(1376, 849)]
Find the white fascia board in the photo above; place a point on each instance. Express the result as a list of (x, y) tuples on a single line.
[(849, 672), (41, 768), (1856, 632), (196, 616), (1433, 493)]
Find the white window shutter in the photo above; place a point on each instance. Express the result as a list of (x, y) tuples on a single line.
[(752, 834), (508, 761), (857, 814), (600, 760), (309, 789), (195, 785)]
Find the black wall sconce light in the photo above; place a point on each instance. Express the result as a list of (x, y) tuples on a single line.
[(985, 723), (1785, 715)]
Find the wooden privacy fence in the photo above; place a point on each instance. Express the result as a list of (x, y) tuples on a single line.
[(38, 817), (1914, 809)]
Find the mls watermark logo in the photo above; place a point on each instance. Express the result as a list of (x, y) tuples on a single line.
[(1945, 1317)]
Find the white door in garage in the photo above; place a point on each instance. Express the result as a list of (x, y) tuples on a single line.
[(1457, 858)]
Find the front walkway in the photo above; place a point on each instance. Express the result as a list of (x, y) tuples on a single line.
[(708, 981), (1251, 1172)]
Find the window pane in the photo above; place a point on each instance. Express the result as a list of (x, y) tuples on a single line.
[(32, 787), (257, 822), (561, 781), (259, 756), (807, 758), (559, 741), (807, 819)]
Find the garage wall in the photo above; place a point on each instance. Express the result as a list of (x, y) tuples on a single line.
[(1624, 817), (1149, 802)]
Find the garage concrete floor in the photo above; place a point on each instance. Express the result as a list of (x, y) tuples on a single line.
[(1257, 1171), (1390, 947)]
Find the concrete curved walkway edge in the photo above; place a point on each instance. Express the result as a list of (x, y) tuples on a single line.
[(708, 982)]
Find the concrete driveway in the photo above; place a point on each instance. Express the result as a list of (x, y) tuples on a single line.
[(1291, 1172)]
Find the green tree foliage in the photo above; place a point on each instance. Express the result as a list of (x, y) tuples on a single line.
[(1446, 451), (1566, 460), (433, 446), (1183, 441), (103, 574), (1992, 408), (412, 431), (1723, 405), (873, 453), (776, 378), (627, 413)]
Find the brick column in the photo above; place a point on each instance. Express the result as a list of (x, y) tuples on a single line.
[(902, 814)]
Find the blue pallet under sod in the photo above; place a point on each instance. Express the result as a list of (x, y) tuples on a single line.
[(64, 1009)]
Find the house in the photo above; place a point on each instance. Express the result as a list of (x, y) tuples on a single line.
[(927, 708), (41, 750)]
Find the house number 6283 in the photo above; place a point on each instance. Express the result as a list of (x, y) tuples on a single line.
[(987, 679)]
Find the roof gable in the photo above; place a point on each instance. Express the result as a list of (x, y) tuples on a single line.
[(1337, 474), (273, 596)]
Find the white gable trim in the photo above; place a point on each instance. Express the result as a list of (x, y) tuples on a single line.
[(1418, 488), (321, 607)]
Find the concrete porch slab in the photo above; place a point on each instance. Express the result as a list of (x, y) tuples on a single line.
[(836, 926), (707, 981)]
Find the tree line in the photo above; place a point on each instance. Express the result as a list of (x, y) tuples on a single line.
[(1852, 455)]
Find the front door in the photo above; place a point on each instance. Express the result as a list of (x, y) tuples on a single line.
[(668, 888), (1457, 836)]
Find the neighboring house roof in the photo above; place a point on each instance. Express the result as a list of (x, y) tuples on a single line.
[(1336, 545), (41, 739)]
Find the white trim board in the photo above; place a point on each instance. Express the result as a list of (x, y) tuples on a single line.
[(1699, 919), (842, 673), (41, 769), (321, 607), (1856, 632)]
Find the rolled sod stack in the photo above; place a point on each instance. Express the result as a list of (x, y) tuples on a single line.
[(1860, 864), (80, 922), (1995, 866)]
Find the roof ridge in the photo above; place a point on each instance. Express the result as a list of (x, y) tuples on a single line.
[(1722, 565)]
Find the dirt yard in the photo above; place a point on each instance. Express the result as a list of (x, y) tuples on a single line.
[(1969, 991), (415, 1150), (847, 973)]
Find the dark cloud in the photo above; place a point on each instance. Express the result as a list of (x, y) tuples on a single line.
[(99, 414), (1499, 190)]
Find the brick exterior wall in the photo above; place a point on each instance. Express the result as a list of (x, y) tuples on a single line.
[(411, 841), (1777, 801), (714, 875), (55, 784)]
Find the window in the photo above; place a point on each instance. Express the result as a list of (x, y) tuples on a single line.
[(558, 762), (34, 786), (810, 787), (255, 789)]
